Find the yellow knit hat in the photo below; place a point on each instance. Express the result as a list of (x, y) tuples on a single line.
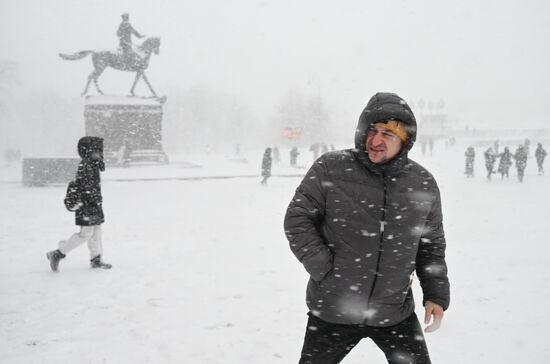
[(397, 127)]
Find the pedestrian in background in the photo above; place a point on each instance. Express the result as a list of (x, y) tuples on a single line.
[(540, 154), (267, 162)]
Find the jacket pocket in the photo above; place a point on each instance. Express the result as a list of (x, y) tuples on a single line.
[(336, 276)]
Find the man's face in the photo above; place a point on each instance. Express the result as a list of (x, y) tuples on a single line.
[(382, 145)]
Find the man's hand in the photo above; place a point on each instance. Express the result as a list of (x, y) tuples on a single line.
[(433, 309)]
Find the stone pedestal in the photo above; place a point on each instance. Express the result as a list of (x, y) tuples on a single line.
[(130, 126)]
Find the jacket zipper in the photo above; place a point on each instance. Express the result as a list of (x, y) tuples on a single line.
[(380, 250)]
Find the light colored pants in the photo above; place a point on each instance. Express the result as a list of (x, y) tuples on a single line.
[(90, 234)]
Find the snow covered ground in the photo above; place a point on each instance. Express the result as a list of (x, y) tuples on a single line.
[(203, 273)]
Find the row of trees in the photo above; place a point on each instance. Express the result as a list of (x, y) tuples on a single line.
[(296, 110), (37, 122), (202, 117), (9, 79)]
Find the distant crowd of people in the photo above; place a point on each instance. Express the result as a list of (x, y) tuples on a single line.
[(505, 160), (492, 155), (272, 155)]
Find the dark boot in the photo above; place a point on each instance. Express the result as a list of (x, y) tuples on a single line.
[(97, 263), (54, 257)]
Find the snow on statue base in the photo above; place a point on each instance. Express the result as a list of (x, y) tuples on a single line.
[(129, 125)]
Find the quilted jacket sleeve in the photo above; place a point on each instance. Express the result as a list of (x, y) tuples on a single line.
[(303, 218), (431, 267)]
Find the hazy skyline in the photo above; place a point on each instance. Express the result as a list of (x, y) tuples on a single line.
[(486, 60)]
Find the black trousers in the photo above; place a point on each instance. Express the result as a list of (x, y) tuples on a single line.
[(328, 343)]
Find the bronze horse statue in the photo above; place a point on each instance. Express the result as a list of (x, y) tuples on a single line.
[(136, 61)]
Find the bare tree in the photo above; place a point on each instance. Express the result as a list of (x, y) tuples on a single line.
[(318, 119), (290, 112), (9, 78), (298, 111)]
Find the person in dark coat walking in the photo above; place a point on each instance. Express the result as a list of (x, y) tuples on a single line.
[(362, 221), (470, 155), (294, 156), (521, 161), (88, 209), (490, 160), (540, 154), (505, 163), (266, 165)]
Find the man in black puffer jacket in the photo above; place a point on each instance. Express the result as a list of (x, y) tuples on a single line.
[(361, 222), (88, 211)]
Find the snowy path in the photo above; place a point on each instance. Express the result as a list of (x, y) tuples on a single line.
[(203, 274)]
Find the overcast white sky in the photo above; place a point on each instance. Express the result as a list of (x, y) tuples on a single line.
[(488, 60)]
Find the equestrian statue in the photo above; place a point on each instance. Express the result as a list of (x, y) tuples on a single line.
[(127, 58)]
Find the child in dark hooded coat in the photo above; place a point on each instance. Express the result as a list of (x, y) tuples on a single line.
[(87, 205)]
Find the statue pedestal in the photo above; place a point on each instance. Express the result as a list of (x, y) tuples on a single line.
[(130, 126)]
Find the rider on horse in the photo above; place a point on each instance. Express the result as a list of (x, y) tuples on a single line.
[(128, 60), (124, 33)]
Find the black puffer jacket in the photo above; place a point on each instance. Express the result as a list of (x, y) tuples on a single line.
[(361, 229), (88, 182)]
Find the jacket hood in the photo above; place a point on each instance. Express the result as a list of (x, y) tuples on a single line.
[(381, 107), (87, 146)]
